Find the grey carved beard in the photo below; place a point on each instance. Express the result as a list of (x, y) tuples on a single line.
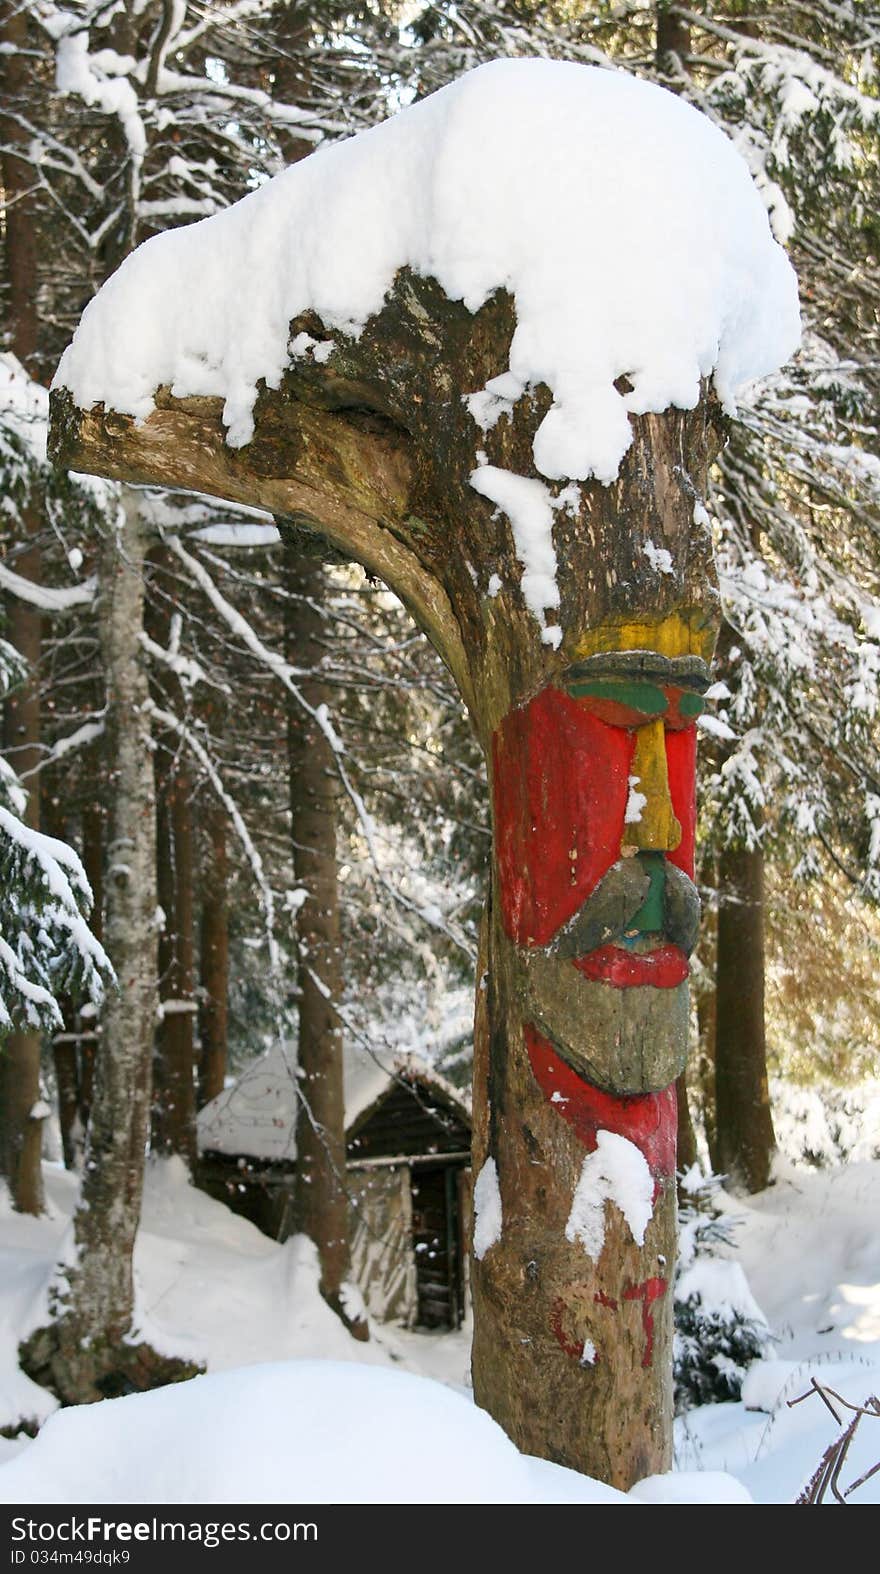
[(625, 1041)]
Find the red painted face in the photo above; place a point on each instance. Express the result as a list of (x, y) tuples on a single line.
[(561, 788), (563, 766)]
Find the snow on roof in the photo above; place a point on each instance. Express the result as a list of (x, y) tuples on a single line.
[(24, 405), (256, 1115), (623, 221)]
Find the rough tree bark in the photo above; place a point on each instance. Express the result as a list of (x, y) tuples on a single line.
[(74, 1048), (91, 1348), (673, 40), (321, 1202), (213, 954), (20, 1131), (19, 183), (687, 1137), (67, 1043), (93, 820), (745, 1139), (173, 1126), (375, 448), (174, 1099)]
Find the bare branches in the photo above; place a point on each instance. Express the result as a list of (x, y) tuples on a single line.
[(826, 1476)]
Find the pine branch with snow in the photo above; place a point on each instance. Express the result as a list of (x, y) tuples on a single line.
[(719, 1327)]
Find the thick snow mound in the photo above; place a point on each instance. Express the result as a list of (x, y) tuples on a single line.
[(292, 1432), (624, 223)]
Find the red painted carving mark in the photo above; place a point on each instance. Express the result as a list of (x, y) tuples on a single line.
[(572, 1349), (647, 1292), (663, 968), (560, 784), (650, 1120)]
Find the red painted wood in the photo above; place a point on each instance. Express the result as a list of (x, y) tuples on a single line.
[(650, 1120), (663, 968), (560, 782), (647, 1292), (573, 1348), (560, 788), (681, 762)]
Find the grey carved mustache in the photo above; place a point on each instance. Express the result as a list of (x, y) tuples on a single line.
[(609, 910)]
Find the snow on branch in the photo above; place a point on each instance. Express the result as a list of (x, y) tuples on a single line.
[(47, 947), (46, 597)]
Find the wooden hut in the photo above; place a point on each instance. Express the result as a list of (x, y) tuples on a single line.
[(408, 1136)]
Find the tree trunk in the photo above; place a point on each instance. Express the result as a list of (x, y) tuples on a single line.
[(93, 863), (214, 955), (673, 35), (321, 1200), (19, 181), (744, 1124), (65, 1042), (90, 1350), (706, 1018), (174, 1099), (20, 1131), (687, 1137), (174, 1102), (67, 1084)]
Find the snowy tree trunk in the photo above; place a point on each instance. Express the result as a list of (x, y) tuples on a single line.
[(20, 1130), (67, 1084), (19, 186), (213, 954), (93, 863), (687, 1137), (575, 1060), (321, 1200), (173, 1128), (90, 1349), (174, 1102), (744, 1123), (673, 37)]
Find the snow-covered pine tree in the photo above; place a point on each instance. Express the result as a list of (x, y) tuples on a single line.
[(47, 950), (719, 1327)]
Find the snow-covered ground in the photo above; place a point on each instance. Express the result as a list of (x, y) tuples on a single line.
[(329, 1420)]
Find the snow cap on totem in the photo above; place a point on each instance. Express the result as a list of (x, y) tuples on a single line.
[(623, 222)]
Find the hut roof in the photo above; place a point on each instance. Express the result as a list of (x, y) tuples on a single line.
[(256, 1115)]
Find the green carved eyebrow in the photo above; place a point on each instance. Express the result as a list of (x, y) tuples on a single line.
[(643, 697), (691, 705)]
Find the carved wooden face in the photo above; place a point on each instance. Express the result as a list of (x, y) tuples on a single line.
[(594, 791)]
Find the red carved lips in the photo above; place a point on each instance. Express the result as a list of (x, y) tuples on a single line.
[(663, 968)]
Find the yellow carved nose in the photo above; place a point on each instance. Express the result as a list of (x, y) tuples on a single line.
[(656, 829)]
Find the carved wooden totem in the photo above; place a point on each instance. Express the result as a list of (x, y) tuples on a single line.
[(374, 440)]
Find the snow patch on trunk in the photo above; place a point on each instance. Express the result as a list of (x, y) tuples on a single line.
[(529, 505), (487, 1210), (617, 1172)]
